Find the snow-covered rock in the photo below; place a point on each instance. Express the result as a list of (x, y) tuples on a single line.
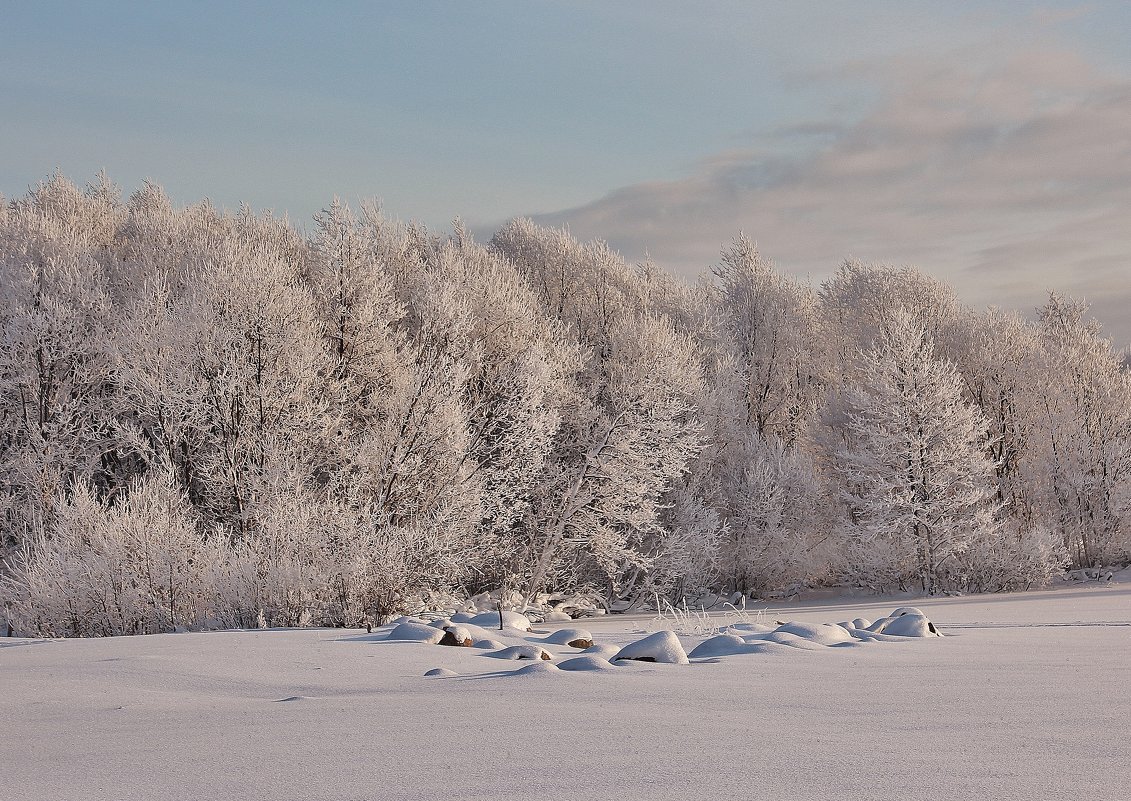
[(522, 652), (556, 617), (440, 672), (489, 644), (722, 645), (463, 617), (820, 633), (907, 610), (511, 620), (535, 669), (574, 638), (408, 619), (663, 647), (457, 635), (906, 624), (416, 632), (911, 626)]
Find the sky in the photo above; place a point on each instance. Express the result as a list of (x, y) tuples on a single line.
[(987, 144)]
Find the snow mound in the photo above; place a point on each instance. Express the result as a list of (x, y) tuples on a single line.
[(474, 632), (603, 651), (586, 662), (457, 636), (907, 610), (511, 620), (663, 647), (571, 636), (769, 647), (537, 667), (820, 633), (440, 672), (522, 652), (493, 645), (750, 628), (556, 617), (790, 639), (908, 624), (408, 619), (441, 622), (416, 632), (463, 617), (722, 645)]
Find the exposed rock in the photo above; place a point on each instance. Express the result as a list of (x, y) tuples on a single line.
[(457, 636)]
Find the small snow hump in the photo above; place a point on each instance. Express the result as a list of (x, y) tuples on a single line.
[(605, 651), (663, 647), (907, 610), (511, 620), (905, 624), (536, 668), (416, 632), (721, 645), (522, 652), (586, 662), (820, 633), (440, 673), (574, 638)]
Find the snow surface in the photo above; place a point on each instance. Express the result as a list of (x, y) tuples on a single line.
[(1024, 697)]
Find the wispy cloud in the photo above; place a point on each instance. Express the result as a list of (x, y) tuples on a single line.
[(1005, 173)]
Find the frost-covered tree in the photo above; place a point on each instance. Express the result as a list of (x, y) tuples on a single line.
[(210, 419), (634, 429), (767, 323), (917, 478), (55, 364), (1085, 405)]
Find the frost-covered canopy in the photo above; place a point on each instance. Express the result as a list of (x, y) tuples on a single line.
[(212, 419)]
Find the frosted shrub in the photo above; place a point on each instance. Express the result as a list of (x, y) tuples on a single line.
[(97, 569), (1014, 560)]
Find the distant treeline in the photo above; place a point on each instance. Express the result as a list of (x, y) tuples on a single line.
[(208, 419)]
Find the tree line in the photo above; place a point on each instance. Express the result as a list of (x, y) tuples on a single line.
[(212, 419)]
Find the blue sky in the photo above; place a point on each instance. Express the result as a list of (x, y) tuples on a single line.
[(986, 143)]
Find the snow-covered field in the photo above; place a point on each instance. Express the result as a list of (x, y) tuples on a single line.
[(1026, 697)]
